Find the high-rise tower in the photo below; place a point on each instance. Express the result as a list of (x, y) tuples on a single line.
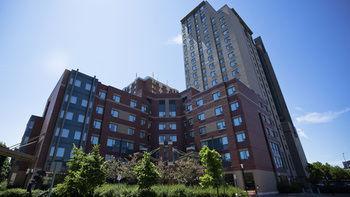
[(218, 46)]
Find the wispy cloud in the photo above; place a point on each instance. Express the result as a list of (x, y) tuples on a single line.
[(299, 108), (302, 133), (321, 117), (175, 40)]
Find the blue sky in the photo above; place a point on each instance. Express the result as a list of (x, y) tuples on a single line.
[(308, 43)]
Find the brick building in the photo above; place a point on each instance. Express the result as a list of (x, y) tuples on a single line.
[(232, 103)]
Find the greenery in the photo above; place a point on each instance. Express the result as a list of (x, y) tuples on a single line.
[(4, 165), (85, 173), (18, 192), (122, 170), (146, 172), (177, 190), (213, 170), (324, 173), (3, 185)]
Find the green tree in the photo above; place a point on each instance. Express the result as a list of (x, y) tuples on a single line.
[(146, 172), (315, 170), (4, 165), (213, 170), (85, 173)]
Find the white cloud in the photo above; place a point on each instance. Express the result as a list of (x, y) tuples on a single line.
[(302, 133), (298, 108), (321, 117), (175, 40)]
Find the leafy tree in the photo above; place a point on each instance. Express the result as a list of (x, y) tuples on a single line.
[(213, 170), (166, 173), (187, 171), (319, 172), (146, 172), (4, 165), (316, 174), (85, 173)]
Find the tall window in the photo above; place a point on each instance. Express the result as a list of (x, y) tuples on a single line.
[(231, 90), (161, 107), (234, 106), (116, 98), (201, 116), (114, 113), (97, 124), (113, 127), (99, 110), (81, 118), (218, 111), (202, 130), (102, 95), (94, 140), (132, 118), (172, 108), (216, 95), (221, 125), (244, 154), (172, 126), (161, 126), (77, 135), (240, 137), (237, 121), (131, 131), (133, 103), (199, 102)]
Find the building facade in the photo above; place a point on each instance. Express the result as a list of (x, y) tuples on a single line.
[(232, 103)]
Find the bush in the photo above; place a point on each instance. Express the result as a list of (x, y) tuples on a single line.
[(18, 192), (3, 186), (178, 190)]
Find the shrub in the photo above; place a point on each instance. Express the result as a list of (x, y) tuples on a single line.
[(178, 190), (3, 185), (18, 192)]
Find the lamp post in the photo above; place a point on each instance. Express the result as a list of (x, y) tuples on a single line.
[(243, 176)]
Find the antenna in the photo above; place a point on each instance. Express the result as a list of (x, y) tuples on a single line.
[(136, 75), (344, 157), (152, 74)]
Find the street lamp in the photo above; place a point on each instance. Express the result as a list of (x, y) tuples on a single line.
[(242, 168)]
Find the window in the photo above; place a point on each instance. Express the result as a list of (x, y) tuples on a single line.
[(172, 126), (99, 110), (161, 108), (189, 108), (224, 140), (231, 56), (65, 133), (116, 98), (77, 135), (221, 125), (113, 127), (110, 142), (97, 124), (131, 131), (143, 121), (216, 95), (114, 113), (173, 138), (276, 155), (144, 108), (234, 106), (77, 83), (102, 95), (199, 102), (237, 121), (162, 114), (94, 140), (52, 150), (73, 99), (69, 115), (161, 138), (87, 86), (161, 126), (202, 130), (218, 111), (227, 157), (30, 124), (201, 116), (142, 134), (132, 118), (133, 103), (231, 90), (214, 82), (81, 118), (240, 137), (243, 154), (60, 152), (84, 103)]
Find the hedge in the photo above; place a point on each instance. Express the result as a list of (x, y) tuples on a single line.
[(18, 192), (119, 190)]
